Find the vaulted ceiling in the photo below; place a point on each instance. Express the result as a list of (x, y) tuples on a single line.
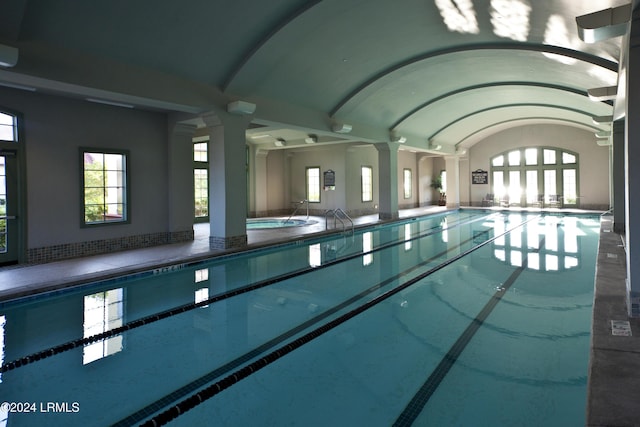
[(441, 73)]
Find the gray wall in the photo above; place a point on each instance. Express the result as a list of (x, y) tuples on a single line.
[(55, 128)]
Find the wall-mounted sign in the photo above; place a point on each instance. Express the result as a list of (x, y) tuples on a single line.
[(329, 180), (479, 176)]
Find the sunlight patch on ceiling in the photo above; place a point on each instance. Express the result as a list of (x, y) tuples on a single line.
[(458, 15), (510, 19), (607, 77), (557, 34)]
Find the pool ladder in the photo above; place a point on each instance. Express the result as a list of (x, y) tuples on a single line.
[(300, 203), (338, 215)]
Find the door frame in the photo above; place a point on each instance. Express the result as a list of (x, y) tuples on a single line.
[(17, 152)]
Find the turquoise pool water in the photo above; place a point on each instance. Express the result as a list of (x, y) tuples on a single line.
[(465, 318)]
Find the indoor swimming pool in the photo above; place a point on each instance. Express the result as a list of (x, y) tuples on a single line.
[(468, 317)]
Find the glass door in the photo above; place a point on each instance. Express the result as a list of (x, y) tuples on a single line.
[(8, 207), (201, 181)]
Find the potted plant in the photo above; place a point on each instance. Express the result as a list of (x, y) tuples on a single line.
[(436, 184)]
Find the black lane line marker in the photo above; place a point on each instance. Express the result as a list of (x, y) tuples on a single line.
[(207, 378), (230, 380), (416, 405), (187, 307)]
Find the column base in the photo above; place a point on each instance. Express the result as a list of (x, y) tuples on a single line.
[(228, 242), (388, 216)]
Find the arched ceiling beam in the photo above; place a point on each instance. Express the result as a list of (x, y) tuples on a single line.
[(526, 119), (562, 51), (497, 107), (264, 39), (483, 86)]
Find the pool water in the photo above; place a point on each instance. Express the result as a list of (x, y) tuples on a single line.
[(464, 318)]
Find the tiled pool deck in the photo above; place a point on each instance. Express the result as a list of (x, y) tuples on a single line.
[(614, 395)]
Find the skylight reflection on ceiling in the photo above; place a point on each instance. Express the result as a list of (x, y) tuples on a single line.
[(607, 77), (557, 34), (510, 19), (458, 15)]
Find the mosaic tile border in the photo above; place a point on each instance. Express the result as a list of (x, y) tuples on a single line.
[(228, 242), (96, 247)]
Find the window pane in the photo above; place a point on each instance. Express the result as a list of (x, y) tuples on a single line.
[(104, 187), (443, 179), (7, 127), (514, 158), (407, 183), (498, 161), (6, 119), (549, 157), (313, 184), (569, 190), (568, 158), (93, 161), (201, 196), (514, 187), (532, 186), (549, 183), (531, 156), (498, 184), (367, 183), (200, 152)]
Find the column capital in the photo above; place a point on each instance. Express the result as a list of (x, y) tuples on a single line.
[(183, 129), (387, 146), (260, 152)]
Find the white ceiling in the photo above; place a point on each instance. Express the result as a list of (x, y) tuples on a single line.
[(440, 72)]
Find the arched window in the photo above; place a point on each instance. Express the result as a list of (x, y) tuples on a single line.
[(536, 176)]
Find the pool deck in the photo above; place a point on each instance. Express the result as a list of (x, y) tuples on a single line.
[(614, 369), (614, 363)]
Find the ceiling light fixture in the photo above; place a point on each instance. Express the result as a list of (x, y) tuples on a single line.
[(433, 146), (280, 142), (398, 138), (341, 128), (242, 108), (311, 139)]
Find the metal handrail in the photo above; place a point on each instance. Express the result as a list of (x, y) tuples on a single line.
[(347, 217), (296, 210), (336, 216)]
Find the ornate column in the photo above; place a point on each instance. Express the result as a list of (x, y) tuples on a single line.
[(388, 179), (452, 166), (227, 180)]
